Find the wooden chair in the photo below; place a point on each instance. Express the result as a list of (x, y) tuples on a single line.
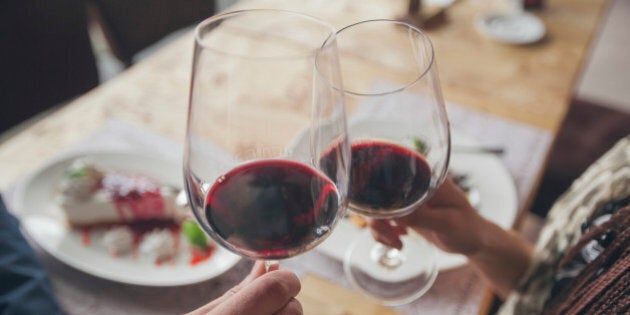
[(46, 57), (132, 25)]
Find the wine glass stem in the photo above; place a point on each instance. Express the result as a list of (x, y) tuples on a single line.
[(269, 264), (387, 257)]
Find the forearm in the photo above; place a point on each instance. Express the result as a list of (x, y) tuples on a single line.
[(450, 222), (503, 257)]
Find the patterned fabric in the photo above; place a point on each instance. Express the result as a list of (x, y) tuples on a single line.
[(606, 181), (568, 271)]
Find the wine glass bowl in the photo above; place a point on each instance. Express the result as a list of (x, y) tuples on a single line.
[(260, 79), (400, 149), (393, 96)]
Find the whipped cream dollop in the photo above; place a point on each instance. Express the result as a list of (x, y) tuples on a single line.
[(81, 178), (158, 245), (118, 240)]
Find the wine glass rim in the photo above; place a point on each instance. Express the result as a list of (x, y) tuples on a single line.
[(405, 86), (332, 31)]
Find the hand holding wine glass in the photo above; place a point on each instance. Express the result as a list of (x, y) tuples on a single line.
[(447, 220), (255, 294), (262, 78)]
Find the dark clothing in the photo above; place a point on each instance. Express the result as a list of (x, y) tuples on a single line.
[(24, 285)]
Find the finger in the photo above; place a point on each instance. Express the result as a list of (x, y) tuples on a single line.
[(387, 227), (399, 229), (273, 266), (206, 309), (257, 270), (265, 295), (383, 232), (391, 241), (292, 308)]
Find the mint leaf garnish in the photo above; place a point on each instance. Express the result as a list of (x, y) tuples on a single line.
[(420, 146), (194, 234), (77, 173)]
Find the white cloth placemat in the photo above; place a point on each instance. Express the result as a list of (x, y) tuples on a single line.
[(458, 291), (461, 290)]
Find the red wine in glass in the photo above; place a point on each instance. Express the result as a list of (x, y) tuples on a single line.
[(272, 208), (384, 176), (390, 105)]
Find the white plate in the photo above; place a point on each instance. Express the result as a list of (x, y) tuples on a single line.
[(44, 221), (497, 193), (512, 28)]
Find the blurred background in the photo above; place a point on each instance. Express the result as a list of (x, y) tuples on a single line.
[(104, 37)]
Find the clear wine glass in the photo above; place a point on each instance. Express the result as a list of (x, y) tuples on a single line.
[(400, 148), (260, 80)]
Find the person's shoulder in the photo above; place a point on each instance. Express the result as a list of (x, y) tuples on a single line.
[(604, 182)]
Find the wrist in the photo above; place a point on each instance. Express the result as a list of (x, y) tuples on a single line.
[(503, 257), (485, 236)]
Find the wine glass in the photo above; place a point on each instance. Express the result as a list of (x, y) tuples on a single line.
[(261, 79), (400, 148)]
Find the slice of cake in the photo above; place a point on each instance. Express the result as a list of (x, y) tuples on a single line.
[(90, 196)]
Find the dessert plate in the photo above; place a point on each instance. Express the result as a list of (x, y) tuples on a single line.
[(44, 221), (495, 190)]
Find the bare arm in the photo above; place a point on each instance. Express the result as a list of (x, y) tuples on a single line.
[(450, 222), (502, 259)]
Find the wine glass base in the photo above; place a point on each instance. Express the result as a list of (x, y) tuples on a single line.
[(391, 277)]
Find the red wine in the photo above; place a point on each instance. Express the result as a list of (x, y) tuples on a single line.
[(272, 208), (384, 176)]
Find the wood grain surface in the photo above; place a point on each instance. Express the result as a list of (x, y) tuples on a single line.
[(531, 84)]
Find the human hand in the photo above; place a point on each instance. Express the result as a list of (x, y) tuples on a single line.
[(447, 220), (261, 292), (450, 222)]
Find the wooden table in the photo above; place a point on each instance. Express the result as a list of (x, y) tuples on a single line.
[(530, 84)]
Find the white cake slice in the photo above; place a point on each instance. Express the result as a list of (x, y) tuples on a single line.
[(90, 196)]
